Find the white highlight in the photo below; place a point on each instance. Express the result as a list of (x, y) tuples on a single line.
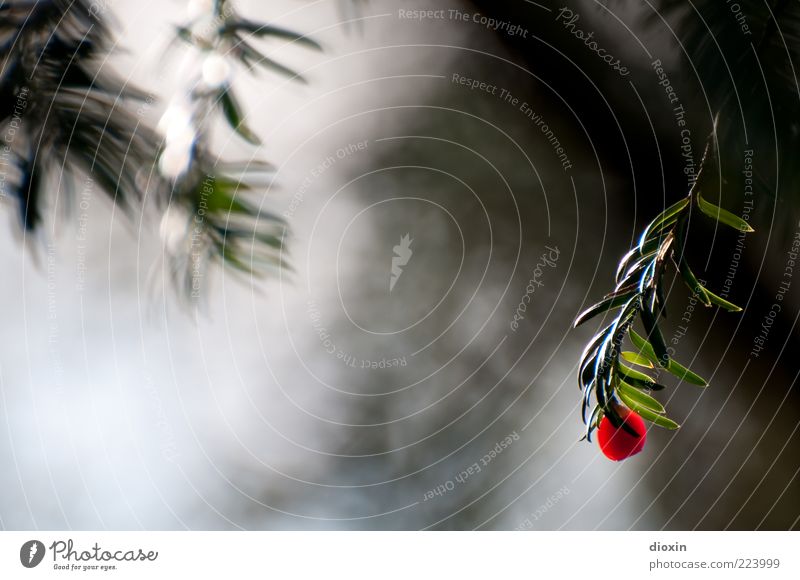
[(216, 71), (197, 8), (177, 126)]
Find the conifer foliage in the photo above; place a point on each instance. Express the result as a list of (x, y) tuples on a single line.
[(63, 114)]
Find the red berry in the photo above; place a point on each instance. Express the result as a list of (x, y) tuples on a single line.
[(615, 442)]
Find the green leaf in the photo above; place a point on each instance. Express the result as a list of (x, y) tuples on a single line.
[(692, 282), (637, 379), (222, 202), (683, 266), (685, 374), (636, 399), (673, 367), (594, 421), (637, 255), (249, 52), (587, 368), (259, 29), (654, 336), (233, 114), (273, 241), (586, 374), (588, 391), (721, 302), (645, 348), (637, 359), (608, 303), (633, 273), (227, 184), (656, 419), (248, 167), (666, 217), (646, 386), (651, 246), (703, 294), (607, 354), (723, 215), (628, 372), (632, 254), (657, 233), (229, 258)]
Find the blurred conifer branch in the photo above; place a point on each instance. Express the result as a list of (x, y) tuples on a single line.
[(61, 108), (212, 214)]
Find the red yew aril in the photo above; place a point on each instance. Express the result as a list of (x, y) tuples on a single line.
[(617, 443)]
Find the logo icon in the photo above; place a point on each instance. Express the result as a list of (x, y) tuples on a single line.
[(31, 553), (403, 253)]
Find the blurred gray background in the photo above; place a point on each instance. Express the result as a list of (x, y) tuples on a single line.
[(320, 399)]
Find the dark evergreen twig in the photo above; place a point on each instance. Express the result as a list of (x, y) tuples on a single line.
[(59, 108), (639, 293)]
